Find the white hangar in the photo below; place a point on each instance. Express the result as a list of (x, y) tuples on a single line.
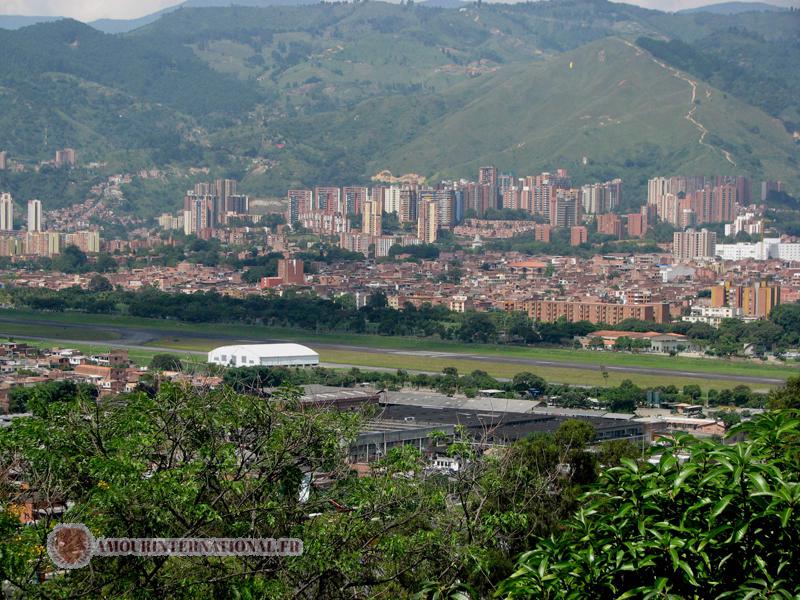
[(264, 355)]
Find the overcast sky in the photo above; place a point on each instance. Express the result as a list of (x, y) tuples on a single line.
[(88, 10)]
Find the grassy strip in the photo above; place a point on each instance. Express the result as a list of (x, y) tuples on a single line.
[(363, 360), (168, 328), (57, 332), (495, 369)]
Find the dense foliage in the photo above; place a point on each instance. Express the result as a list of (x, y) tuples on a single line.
[(188, 463), (700, 520)]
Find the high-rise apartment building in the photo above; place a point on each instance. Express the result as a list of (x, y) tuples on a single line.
[(541, 232), (543, 196), (6, 212), (770, 186), (300, 202), (354, 198), (428, 220), (391, 200), (504, 181), (198, 214), (328, 199), (407, 211), (35, 215), (371, 223), (598, 198), (565, 208), (723, 204), (236, 204), (445, 206), (87, 241), (693, 245), (487, 176), (42, 243), (290, 270), (512, 198)]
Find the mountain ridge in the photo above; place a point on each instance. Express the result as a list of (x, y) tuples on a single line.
[(333, 93)]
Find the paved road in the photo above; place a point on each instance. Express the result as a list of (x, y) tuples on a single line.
[(135, 338)]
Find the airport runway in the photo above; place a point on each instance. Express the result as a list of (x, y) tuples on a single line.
[(136, 338)]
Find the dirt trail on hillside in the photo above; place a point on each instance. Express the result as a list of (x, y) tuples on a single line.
[(690, 116)]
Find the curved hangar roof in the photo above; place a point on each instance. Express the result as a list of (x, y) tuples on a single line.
[(245, 355)]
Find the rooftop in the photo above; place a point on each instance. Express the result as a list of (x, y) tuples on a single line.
[(276, 350)]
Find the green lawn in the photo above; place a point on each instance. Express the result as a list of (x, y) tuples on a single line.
[(346, 359), (506, 370), (177, 335), (56, 332)]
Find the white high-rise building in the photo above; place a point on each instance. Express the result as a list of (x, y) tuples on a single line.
[(6, 212), (391, 201), (34, 215)]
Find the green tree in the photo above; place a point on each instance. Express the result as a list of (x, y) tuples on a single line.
[(721, 524), (71, 260), (165, 362), (786, 396), (612, 452), (477, 327), (692, 391), (105, 263), (525, 382), (98, 284)]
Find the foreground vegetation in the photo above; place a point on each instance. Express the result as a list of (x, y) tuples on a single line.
[(544, 518)]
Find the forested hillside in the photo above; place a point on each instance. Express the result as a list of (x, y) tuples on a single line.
[(332, 93)]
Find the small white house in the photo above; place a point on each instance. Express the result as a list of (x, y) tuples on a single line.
[(264, 355)]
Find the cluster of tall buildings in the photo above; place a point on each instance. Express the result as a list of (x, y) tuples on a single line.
[(34, 222), (755, 300), (690, 201), (550, 196), (35, 241), (208, 206), (63, 158)]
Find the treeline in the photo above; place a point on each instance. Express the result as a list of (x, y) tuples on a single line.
[(626, 397), (780, 331)]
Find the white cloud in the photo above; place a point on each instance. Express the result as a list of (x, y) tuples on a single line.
[(84, 10)]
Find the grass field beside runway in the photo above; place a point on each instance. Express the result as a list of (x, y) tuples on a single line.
[(202, 337), (346, 359), (435, 364)]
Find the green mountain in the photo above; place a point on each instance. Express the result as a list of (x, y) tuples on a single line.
[(335, 92), (734, 8), (617, 107)]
